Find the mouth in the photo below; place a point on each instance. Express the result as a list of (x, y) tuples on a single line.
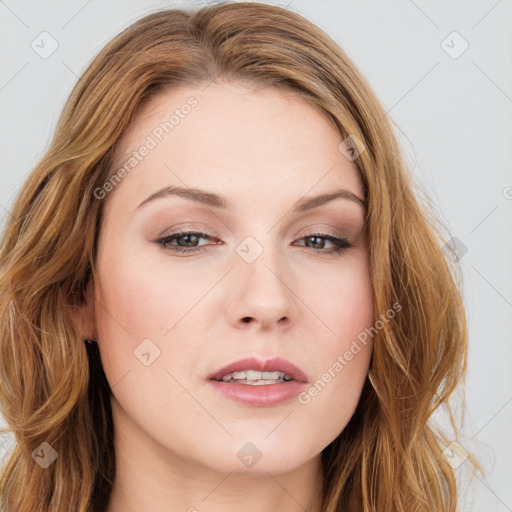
[(256, 378), (259, 383), (252, 371)]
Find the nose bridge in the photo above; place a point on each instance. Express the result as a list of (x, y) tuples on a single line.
[(260, 259), (261, 281)]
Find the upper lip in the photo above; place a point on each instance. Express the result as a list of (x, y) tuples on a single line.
[(276, 364)]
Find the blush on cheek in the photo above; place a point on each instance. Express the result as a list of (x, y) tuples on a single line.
[(130, 299), (353, 316)]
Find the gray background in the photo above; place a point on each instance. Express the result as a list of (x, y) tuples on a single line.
[(455, 127)]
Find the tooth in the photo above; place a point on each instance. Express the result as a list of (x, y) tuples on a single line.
[(271, 375), (261, 382), (253, 375)]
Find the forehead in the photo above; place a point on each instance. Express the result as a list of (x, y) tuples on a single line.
[(232, 137), (232, 111)]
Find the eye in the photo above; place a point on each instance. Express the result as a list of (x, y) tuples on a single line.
[(187, 242), (186, 245), (340, 244)]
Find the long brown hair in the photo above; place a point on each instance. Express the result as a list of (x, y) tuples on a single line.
[(52, 388)]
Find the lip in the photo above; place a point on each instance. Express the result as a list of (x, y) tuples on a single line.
[(276, 364), (260, 396)]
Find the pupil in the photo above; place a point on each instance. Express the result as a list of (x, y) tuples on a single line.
[(186, 236), (319, 240)]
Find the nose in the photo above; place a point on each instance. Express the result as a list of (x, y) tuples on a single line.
[(261, 293)]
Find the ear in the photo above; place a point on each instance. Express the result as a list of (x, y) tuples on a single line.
[(84, 316)]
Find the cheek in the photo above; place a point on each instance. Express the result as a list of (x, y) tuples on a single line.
[(145, 299), (343, 302), (345, 307)]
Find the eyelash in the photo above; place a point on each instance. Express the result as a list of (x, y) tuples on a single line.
[(341, 244)]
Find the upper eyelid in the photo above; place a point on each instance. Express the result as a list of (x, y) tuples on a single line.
[(332, 230), (339, 225), (180, 232)]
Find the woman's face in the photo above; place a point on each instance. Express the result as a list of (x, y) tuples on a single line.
[(259, 280)]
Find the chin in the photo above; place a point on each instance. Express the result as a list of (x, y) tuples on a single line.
[(257, 457)]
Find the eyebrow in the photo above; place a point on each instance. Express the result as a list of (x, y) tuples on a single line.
[(219, 201)]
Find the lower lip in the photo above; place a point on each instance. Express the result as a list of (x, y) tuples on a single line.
[(259, 396)]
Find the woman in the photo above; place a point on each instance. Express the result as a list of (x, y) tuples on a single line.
[(218, 289)]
